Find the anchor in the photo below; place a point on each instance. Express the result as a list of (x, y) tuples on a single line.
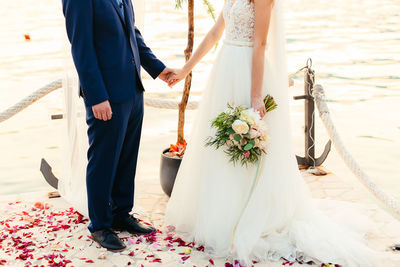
[(309, 159), (48, 174)]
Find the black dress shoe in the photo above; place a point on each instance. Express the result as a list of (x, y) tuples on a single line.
[(132, 225), (109, 240)]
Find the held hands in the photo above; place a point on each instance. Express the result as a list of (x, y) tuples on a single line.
[(257, 104), (178, 76), (173, 76), (166, 74), (102, 111)]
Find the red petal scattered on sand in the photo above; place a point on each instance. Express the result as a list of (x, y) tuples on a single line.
[(27, 37), (21, 242), (200, 248), (237, 264), (185, 258)]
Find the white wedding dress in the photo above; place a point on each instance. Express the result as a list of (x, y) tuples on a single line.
[(214, 203)]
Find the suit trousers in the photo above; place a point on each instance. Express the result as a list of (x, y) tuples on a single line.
[(112, 158)]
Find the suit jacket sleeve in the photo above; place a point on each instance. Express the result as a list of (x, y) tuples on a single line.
[(79, 23), (148, 60)]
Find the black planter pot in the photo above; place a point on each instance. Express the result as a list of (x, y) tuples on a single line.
[(168, 169)]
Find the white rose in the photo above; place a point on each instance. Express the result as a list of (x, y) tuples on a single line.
[(250, 116), (240, 127)]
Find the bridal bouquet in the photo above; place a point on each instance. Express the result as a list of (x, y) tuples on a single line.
[(242, 132)]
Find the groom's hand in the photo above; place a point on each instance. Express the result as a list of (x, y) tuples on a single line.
[(102, 111), (166, 73)]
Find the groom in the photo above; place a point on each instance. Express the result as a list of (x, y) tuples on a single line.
[(108, 51)]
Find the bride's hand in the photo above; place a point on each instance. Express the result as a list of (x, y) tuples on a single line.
[(257, 104), (179, 75)]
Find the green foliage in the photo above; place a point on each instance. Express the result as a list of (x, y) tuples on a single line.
[(236, 156), (178, 3), (244, 144), (237, 137), (270, 104), (223, 123), (207, 4), (248, 147), (210, 9)]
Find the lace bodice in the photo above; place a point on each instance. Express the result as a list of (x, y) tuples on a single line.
[(239, 22)]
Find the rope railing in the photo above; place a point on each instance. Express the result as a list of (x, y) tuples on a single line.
[(167, 104), (29, 100), (41, 92), (319, 95)]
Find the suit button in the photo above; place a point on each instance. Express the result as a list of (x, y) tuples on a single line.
[(133, 60)]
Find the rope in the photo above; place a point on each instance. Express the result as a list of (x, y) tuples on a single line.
[(351, 163), (167, 104), (29, 100), (307, 66)]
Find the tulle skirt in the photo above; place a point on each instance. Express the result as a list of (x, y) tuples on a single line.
[(214, 202)]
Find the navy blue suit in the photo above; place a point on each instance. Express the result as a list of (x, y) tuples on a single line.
[(108, 51)]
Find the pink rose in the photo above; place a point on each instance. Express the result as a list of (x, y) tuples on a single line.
[(254, 133)]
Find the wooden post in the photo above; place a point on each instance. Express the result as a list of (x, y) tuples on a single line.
[(188, 80)]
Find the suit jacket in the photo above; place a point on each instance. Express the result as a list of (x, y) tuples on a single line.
[(107, 50)]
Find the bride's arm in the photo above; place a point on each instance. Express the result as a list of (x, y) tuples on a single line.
[(262, 9), (205, 46)]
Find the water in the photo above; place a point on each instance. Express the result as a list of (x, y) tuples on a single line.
[(355, 47)]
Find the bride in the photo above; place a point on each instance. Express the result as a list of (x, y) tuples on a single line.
[(245, 213)]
